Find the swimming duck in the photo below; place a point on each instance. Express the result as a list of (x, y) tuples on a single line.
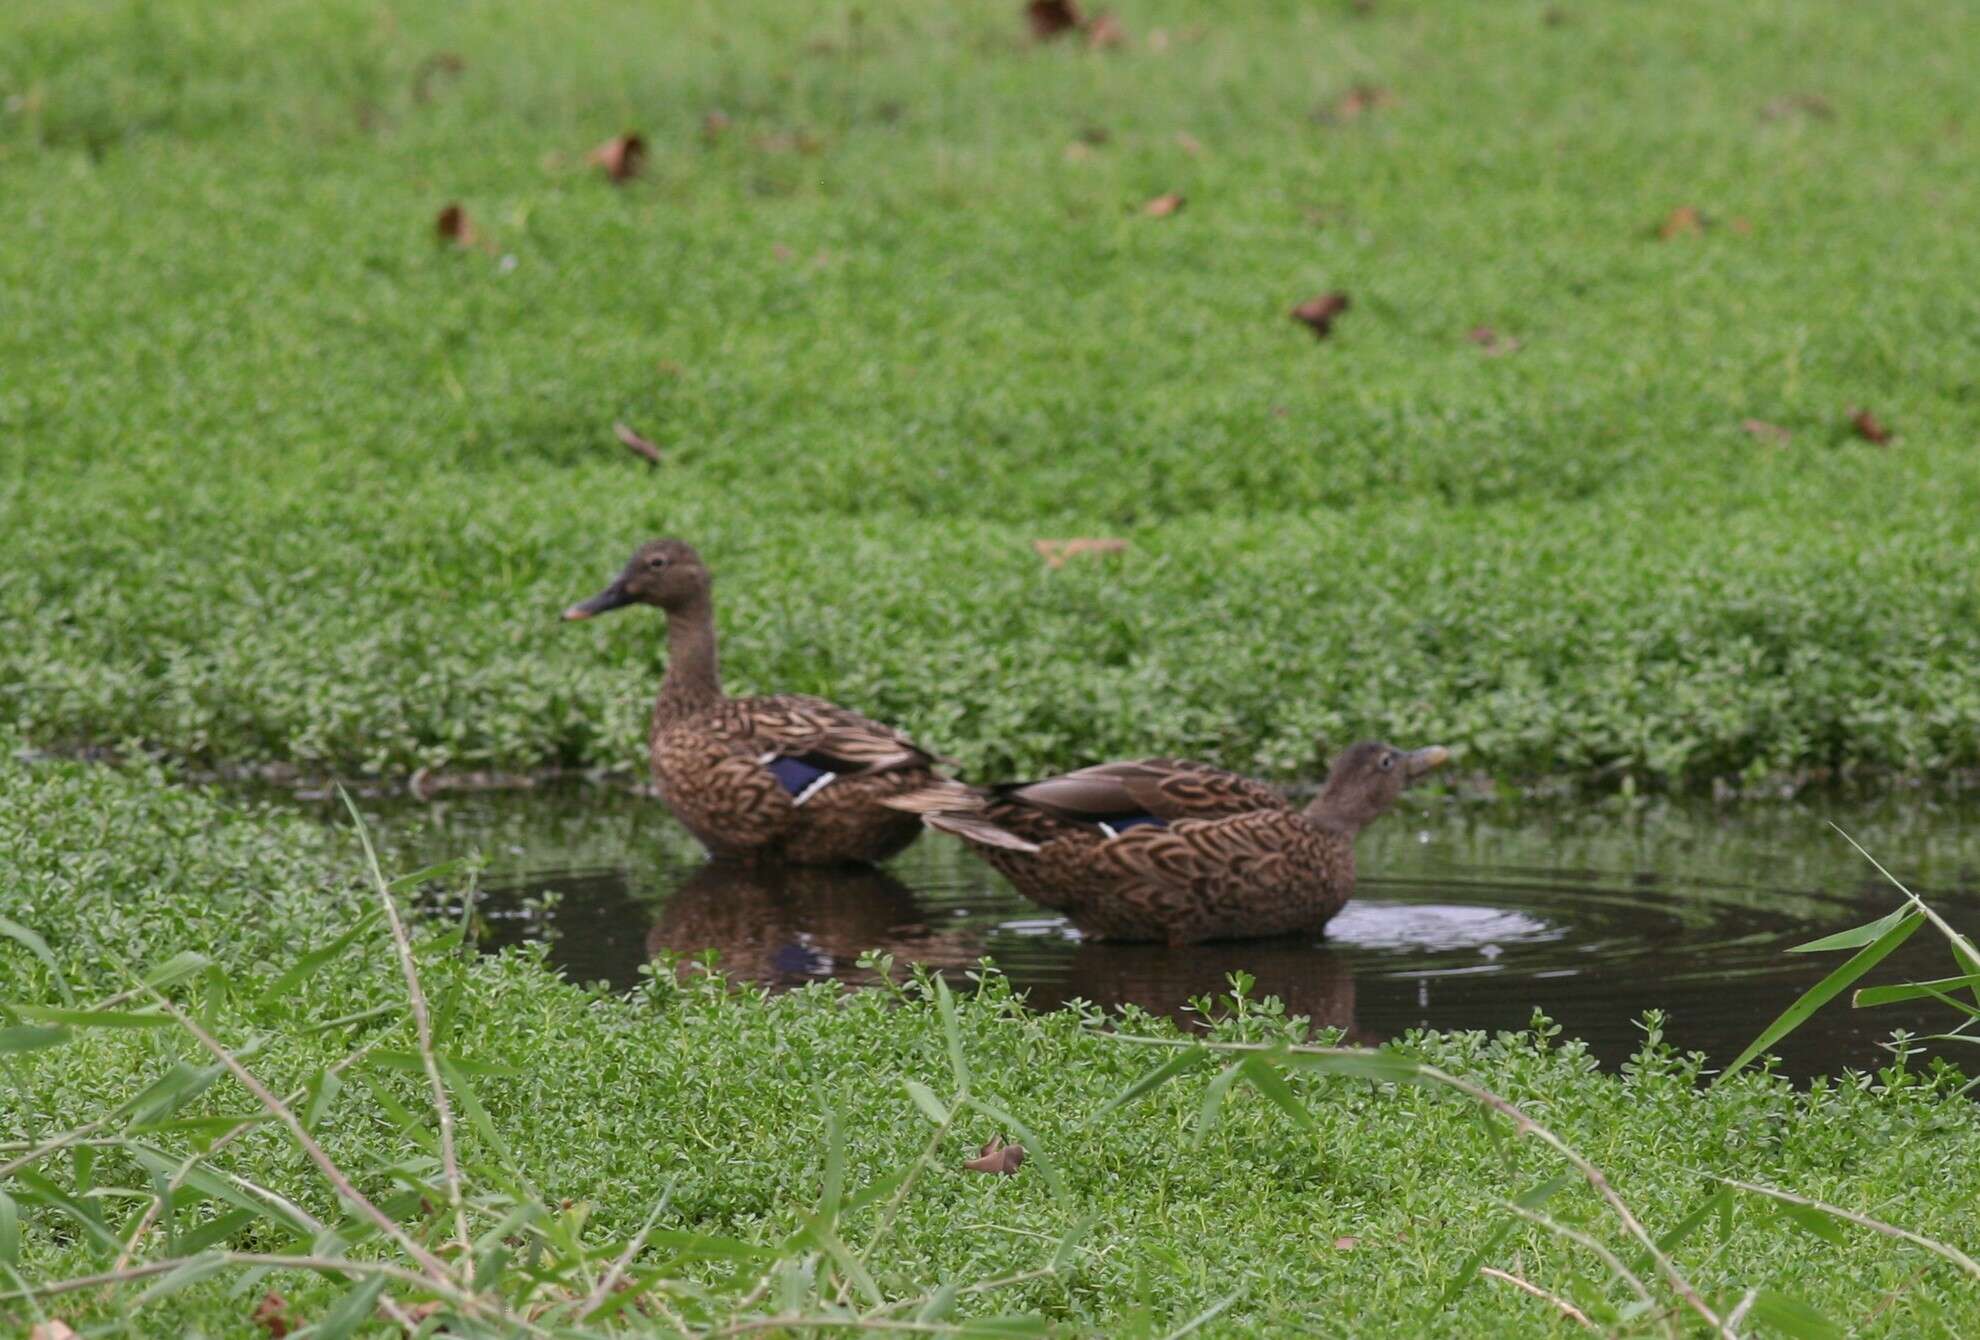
[(1165, 849), (788, 777)]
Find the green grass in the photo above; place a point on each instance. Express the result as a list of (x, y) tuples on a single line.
[(721, 1096), (285, 480)]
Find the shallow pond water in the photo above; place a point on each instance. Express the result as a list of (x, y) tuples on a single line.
[(1467, 917)]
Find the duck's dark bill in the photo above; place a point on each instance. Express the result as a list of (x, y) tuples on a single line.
[(611, 598)]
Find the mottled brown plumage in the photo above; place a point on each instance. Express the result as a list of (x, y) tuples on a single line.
[(788, 777), (1164, 849)]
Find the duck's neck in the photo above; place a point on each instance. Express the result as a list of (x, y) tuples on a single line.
[(693, 681), (1338, 813)]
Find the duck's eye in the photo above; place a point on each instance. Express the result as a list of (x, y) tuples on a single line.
[(1388, 762), (657, 561)]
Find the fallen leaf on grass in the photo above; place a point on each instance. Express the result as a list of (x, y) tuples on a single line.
[(1684, 221), (1346, 1244), (272, 1315), (1360, 100), (1318, 314), (620, 156), (713, 125), (1868, 427), (454, 225), (997, 1157), (1105, 31), (440, 65), (1162, 206), (1189, 144), (1491, 342), (636, 444), (1771, 433), (1056, 552), (790, 142), (1812, 105), (51, 1330), (1051, 18)]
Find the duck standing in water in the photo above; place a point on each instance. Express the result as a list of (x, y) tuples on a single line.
[(1164, 849), (789, 777)]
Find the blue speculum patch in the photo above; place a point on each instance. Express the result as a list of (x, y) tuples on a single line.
[(794, 775), (1122, 825)]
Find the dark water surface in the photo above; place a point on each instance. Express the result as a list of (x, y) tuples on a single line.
[(1467, 917)]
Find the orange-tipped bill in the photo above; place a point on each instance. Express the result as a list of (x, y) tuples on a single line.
[(1419, 761), (611, 598)]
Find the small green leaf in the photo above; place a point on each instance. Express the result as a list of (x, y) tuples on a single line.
[(311, 963), (1189, 1058), (1855, 936), (28, 1038), (1212, 1106), (925, 1099), (1003, 1328), (1938, 987), (37, 946), (939, 1304), (1378, 1065), (1263, 1076), (1813, 1221), (10, 1230), (181, 965), (350, 1311), (192, 1272), (1792, 1317), (96, 1018), (951, 1030), (1826, 990), (432, 872)]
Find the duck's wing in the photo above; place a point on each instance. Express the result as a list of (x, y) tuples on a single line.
[(825, 736), (1199, 855), (1168, 789)]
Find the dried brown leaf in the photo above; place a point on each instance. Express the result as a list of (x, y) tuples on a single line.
[(1684, 221), (1868, 427), (1051, 18), (1162, 206), (1770, 433), (1812, 105), (1189, 144), (713, 125), (1105, 32), (620, 157), (1056, 552), (1078, 152), (454, 225), (51, 1330), (636, 444), (1492, 342), (997, 1157), (1318, 313), (1346, 1243), (429, 73), (272, 1315), (1362, 99)]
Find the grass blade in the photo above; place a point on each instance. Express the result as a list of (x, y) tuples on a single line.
[(1531, 1199), (1790, 1316), (925, 1099), (952, 1031), (1826, 990), (1181, 1063), (37, 946), (1937, 988), (1856, 936), (1212, 1106), (29, 1037), (1263, 1076)]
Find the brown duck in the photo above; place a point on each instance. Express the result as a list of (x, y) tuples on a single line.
[(788, 777), (1164, 849)]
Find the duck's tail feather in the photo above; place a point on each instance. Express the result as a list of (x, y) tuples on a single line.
[(971, 828), (944, 797)]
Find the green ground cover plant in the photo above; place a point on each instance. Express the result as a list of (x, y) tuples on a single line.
[(754, 1140), (286, 478)]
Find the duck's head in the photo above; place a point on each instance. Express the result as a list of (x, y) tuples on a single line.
[(667, 573), (1366, 780)]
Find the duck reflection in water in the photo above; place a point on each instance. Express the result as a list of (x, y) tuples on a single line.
[(788, 925)]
